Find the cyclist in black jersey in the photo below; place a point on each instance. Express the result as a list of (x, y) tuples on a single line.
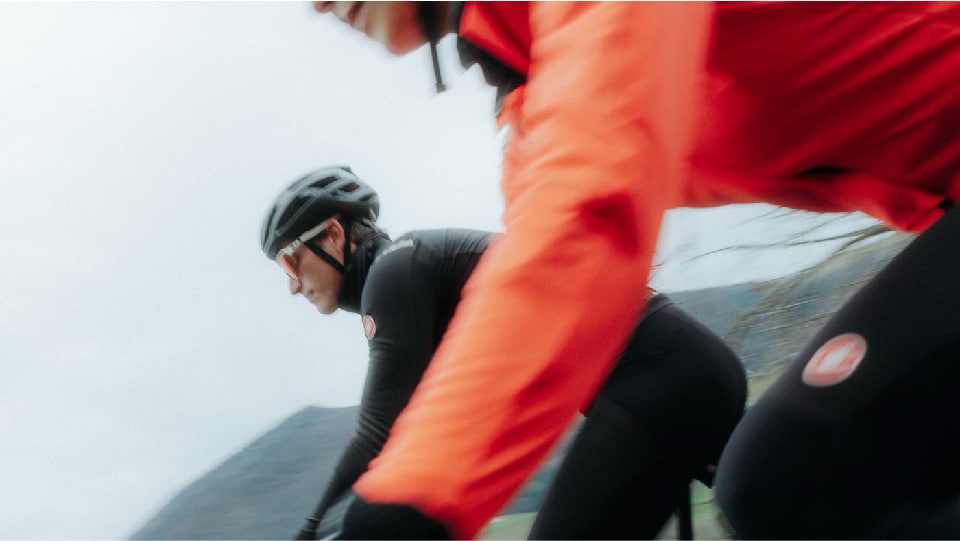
[(661, 418)]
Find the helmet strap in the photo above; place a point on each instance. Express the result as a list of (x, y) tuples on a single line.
[(427, 14), (329, 258), (436, 66)]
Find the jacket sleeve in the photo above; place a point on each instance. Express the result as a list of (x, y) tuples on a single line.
[(400, 350), (594, 157)]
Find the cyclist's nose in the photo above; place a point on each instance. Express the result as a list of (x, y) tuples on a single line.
[(293, 285)]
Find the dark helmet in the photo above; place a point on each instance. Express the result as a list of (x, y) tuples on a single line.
[(312, 199)]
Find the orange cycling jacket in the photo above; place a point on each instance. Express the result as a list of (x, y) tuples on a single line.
[(630, 109)]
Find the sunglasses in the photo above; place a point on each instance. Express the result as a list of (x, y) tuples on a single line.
[(286, 258)]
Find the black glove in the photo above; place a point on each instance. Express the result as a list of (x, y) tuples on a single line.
[(308, 531), (365, 520)]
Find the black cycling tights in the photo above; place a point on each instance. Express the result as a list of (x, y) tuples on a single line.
[(663, 416), (868, 449)]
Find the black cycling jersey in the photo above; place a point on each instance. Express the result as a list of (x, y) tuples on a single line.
[(663, 415), (406, 291)]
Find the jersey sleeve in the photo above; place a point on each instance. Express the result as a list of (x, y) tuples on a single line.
[(400, 349), (594, 157)]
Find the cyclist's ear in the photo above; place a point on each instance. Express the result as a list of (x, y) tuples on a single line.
[(337, 235)]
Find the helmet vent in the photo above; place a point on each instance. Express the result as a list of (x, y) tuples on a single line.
[(290, 211)]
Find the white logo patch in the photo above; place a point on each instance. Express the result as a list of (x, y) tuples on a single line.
[(369, 327), (835, 361)]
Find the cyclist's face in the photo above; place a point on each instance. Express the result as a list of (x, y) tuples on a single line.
[(393, 24), (319, 283)]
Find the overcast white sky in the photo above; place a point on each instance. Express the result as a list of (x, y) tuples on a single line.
[(144, 338)]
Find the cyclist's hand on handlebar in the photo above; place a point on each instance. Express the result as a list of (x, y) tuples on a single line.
[(308, 531)]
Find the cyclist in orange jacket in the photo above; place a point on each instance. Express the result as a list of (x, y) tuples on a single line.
[(619, 111)]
